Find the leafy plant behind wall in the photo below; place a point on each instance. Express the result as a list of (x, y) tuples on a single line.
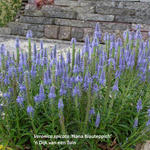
[(8, 10)]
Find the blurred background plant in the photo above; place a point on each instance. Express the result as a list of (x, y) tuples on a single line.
[(40, 3), (8, 10)]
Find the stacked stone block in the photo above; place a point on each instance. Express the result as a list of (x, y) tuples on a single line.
[(77, 18)]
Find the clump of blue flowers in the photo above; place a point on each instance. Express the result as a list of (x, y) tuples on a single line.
[(99, 90)]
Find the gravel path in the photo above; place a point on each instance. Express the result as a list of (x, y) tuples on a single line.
[(62, 46)]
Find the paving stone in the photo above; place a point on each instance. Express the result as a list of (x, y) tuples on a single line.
[(95, 17), (51, 31), (66, 2), (134, 5), (59, 14), (143, 13), (77, 33), (56, 8), (36, 20), (84, 9), (130, 19), (74, 23), (106, 4), (65, 33), (5, 31), (37, 34), (24, 26), (87, 3), (33, 13), (39, 28), (21, 29), (115, 26), (18, 31), (91, 24), (114, 11)]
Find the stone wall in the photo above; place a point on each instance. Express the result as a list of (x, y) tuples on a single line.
[(76, 18)]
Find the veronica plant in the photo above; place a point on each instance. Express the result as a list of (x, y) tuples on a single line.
[(99, 90)]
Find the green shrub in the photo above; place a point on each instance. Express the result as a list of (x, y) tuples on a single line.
[(8, 9)]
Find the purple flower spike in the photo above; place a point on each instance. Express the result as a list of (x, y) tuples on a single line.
[(86, 47), (148, 112), (148, 123), (52, 92), (106, 37), (20, 100), (22, 88), (54, 51), (62, 90), (6, 95), (79, 79), (69, 83), (115, 87), (2, 49), (47, 79), (76, 69), (102, 80), (34, 52), (92, 111), (139, 105), (41, 44), (87, 41), (6, 80), (68, 60), (41, 94), (87, 81), (131, 36), (135, 123), (17, 43), (73, 40), (37, 98), (33, 71), (138, 27), (97, 32), (138, 34), (97, 120), (30, 110), (119, 42), (29, 34), (60, 104), (95, 41), (95, 88), (76, 91)]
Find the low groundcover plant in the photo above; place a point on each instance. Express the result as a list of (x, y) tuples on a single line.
[(99, 91)]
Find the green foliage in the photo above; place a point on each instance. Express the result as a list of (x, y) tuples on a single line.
[(8, 10)]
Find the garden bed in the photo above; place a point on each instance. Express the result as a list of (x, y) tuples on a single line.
[(93, 98)]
